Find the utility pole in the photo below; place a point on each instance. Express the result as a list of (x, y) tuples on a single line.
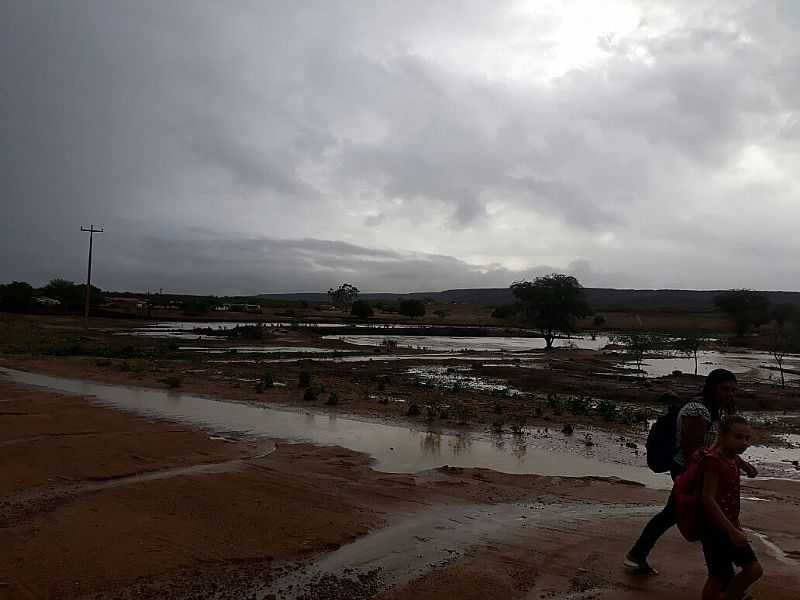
[(91, 230)]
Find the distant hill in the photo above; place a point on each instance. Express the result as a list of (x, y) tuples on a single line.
[(600, 299)]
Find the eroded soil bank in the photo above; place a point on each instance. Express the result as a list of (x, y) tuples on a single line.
[(98, 503)]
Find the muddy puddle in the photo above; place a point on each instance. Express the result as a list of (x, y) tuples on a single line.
[(394, 448), (472, 344)]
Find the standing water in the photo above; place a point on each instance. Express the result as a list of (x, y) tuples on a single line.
[(394, 448)]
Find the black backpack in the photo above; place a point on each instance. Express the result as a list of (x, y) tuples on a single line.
[(661, 441)]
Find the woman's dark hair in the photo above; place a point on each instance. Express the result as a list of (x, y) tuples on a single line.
[(713, 379), (728, 422)]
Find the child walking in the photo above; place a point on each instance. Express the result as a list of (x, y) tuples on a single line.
[(724, 542)]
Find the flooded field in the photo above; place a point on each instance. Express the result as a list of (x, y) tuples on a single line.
[(402, 449), (756, 365), (264, 350), (525, 360), (186, 329), (394, 448), (472, 344)]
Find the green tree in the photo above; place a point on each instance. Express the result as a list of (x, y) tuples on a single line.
[(637, 346), (691, 344), (16, 296), (71, 295), (783, 313), (412, 308), (747, 308), (551, 304), (63, 290), (361, 309), (195, 307), (503, 312), (344, 295), (784, 338)]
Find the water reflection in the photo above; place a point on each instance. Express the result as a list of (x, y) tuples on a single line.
[(460, 443), (758, 365), (519, 447), (431, 443), (394, 448)]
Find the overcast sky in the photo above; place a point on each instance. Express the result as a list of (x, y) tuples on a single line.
[(256, 146)]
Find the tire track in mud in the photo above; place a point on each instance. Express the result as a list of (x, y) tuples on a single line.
[(25, 505)]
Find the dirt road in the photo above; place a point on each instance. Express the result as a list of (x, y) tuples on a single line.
[(101, 504)]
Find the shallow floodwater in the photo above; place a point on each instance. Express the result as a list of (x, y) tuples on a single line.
[(521, 360), (264, 350), (394, 448), (185, 329), (479, 344), (758, 365)]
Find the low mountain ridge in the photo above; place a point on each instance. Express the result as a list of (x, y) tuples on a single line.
[(600, 299)]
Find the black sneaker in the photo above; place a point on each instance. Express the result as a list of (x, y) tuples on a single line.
[(639, 565)]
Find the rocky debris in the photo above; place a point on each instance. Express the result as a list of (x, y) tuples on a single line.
[(349, 585)]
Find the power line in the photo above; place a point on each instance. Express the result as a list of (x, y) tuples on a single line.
[(91, 230)]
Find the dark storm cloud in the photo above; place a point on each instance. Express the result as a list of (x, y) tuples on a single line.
[(247, 266), (220, 142)]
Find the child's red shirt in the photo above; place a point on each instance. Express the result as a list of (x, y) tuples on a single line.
[(728, 486)]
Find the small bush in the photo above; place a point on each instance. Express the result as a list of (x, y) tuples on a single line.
[(503, 312), (462, 413), (498, 425), (310, 395), (304, 378), (389, 345), (498, 408), (607, 409), (518, 428), (267, 380), (412, 308), (333, 399), (578, 406), (172, 382), (413, 409), (361, 309)]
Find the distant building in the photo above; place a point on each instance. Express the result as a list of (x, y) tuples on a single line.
[(45, 301), (128, 304), (248, 308)]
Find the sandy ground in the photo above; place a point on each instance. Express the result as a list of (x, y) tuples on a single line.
[(100, 504)]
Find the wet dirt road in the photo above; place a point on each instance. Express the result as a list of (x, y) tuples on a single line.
[(97, 503)]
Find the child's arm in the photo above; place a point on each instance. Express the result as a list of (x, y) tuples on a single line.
[(714, 512), (746, 467)]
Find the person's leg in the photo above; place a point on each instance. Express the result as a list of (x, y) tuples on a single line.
[(751, 572), (713, 588), (655, 528), (743, 580)]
